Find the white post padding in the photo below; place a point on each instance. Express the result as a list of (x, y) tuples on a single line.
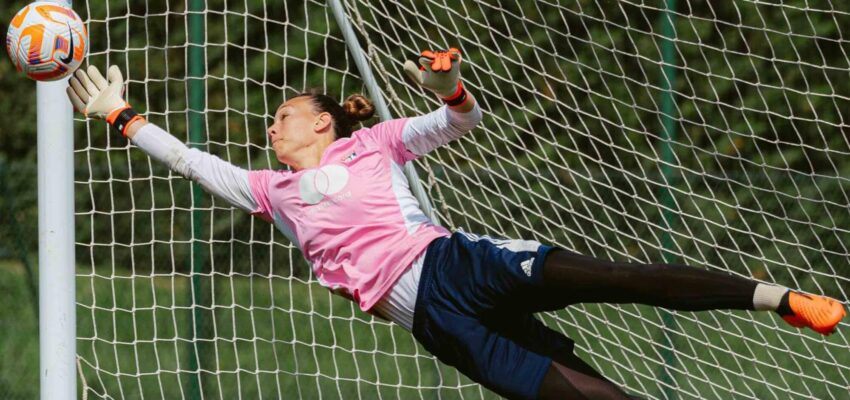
[(57, 321), (57, 302)]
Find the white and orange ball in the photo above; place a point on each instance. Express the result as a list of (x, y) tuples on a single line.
[(47, 41)]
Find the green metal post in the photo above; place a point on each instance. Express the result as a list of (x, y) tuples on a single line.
[(668, 108), (196, 62)]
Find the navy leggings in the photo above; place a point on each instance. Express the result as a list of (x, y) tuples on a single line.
[(583, 279)]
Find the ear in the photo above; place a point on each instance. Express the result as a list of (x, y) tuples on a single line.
[(323, 122)]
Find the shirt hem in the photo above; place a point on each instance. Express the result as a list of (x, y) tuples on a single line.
[(407, 261)]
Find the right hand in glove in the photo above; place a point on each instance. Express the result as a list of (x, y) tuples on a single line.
[(438, 72), (93, 96)]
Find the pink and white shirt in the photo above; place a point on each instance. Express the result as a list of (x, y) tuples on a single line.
[(353, 216)]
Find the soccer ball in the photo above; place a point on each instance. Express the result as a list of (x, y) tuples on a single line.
[(47, 41)]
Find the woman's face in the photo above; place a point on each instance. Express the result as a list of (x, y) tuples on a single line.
[(294, 128)]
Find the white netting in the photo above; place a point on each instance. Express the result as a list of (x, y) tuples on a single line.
[(735, 159)]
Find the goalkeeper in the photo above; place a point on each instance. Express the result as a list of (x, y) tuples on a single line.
[(470, 300)]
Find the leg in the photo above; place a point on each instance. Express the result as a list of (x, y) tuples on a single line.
[(527, 331), (568, 377), (572, 278), (464, 278), (532, 277), (577, 380), (493, 360), (582, 279)]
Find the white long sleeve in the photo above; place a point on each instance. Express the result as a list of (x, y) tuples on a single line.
[(215, 175), (425, 133)]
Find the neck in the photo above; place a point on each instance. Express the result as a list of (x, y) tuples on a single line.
[(308, 157)]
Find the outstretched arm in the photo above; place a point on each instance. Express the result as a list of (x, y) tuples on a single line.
[(439, 72), (94, 96)]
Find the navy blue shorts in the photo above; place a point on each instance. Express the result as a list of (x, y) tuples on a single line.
[(474, 311)]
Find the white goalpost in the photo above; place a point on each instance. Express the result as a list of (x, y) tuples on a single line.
[(57, 296), (714, 135), (57, 321)]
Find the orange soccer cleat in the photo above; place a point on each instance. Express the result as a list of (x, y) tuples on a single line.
[(820, 313)]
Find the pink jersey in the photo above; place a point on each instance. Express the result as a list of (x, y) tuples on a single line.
[(353, 217)]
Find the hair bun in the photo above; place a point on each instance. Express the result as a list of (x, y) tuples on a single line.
[(358, 108)]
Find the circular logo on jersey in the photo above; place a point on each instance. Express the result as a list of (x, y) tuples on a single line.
[(319, 183)]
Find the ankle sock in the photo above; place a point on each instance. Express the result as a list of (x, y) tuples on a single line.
[(771, 298)]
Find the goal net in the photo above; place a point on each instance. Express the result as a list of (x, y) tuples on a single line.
[(714, 135)]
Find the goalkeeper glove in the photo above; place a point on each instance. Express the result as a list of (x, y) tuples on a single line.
[(439, 72), (98, 98)]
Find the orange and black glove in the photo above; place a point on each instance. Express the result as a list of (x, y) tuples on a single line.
[(439, 72)]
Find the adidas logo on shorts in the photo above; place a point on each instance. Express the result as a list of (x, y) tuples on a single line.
[(526, 266)]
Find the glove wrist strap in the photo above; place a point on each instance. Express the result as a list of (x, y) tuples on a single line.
[(122, 118), (459, 96)]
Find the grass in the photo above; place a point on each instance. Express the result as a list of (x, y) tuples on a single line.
[(18, 336), (261, 337), (265, 337)]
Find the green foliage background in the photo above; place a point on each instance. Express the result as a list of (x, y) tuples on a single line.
[(572, 151)]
